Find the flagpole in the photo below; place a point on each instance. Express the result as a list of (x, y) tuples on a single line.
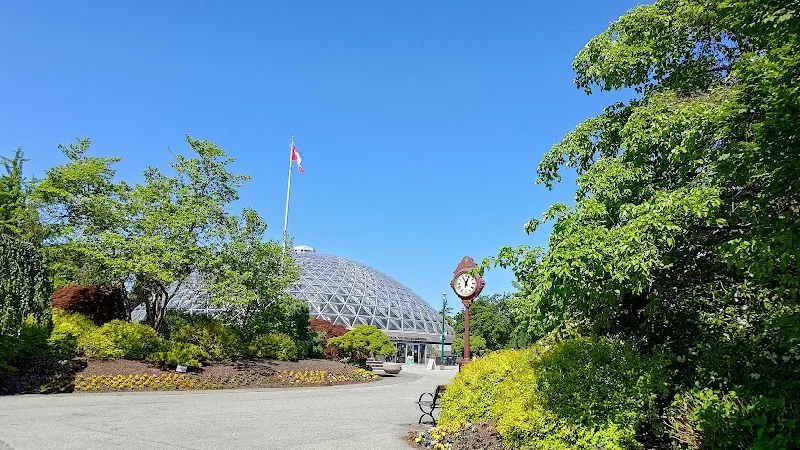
[(288, 189)]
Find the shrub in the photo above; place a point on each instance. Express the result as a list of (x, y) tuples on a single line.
[(703, 418), (326, 327), (100, 303), (179, 354), (581, 393), (118, 339), (327, 330), (216, 340), (68, 327), (361, 343), (30, 342), (278, 346)]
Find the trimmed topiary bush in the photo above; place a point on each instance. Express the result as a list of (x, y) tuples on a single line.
[(582, 393), (278, 346), (118, 339), (101, 304)]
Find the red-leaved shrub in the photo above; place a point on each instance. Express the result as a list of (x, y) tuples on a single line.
[(328, 330), (99, 303)]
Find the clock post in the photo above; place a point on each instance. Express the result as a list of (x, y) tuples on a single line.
[(467, 284), (467, 304)]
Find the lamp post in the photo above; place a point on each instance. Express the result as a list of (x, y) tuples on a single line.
[(444, 310)]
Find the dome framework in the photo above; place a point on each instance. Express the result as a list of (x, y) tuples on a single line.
[(340, 291), (348, 293)]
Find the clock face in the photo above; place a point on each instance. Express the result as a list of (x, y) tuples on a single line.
[(465, 284)]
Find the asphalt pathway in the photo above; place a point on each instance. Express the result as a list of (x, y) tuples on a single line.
[(367, 416)]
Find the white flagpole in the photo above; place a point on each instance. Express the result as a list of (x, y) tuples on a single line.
[(288, 189)]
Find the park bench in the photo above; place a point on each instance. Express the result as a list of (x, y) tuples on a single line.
[(428, 402)]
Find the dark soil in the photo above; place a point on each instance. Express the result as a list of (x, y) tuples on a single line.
[(270, 373), (40, 374), (256, 373), (478, 436)]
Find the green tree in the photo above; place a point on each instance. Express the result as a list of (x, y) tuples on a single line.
[(362, 343), (173, 221), (249, 274), (477, 345), (491, 317), (148, 235), (18, 215), (684, 233), (82, 207), (24, 289)]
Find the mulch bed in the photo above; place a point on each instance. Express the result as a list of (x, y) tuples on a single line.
[(478, 436), (96, 375)]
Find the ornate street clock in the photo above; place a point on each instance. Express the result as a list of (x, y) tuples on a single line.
[(467, 285)]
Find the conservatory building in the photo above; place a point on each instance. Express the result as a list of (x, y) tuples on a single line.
[(348, 293)]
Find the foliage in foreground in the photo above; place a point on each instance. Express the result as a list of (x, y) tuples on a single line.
[(362, 343), (580, 393), (684, 235)]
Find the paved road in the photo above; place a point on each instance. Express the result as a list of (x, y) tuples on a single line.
[(368, 416)]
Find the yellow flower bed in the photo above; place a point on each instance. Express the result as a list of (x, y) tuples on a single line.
[(324, 377), (161, 382)]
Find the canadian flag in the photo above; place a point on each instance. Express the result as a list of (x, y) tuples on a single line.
[(296, 157)]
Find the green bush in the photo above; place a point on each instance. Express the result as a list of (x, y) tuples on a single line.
[(278, 346), (361, 343), (703, 418), (119, 339), (30, 342), (582, 393), (218, 341), (68, 328), (179, 353)]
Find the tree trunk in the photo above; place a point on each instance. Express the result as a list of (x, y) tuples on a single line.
[(156, 305)]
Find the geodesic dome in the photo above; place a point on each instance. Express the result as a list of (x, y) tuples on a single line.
[(340, 291), (348, 293)]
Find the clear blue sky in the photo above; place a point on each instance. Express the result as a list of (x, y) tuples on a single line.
[(408, 115)]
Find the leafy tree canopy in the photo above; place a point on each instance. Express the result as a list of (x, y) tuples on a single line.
[(157, 232), (18, 215), (491, 318), (684, 234), (477, 345)]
